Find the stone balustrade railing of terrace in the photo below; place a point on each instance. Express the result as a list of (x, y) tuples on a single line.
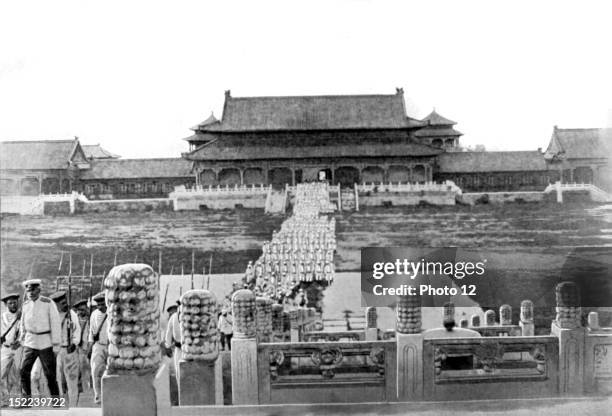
[(220, 197), (402, 194), (432, 365), (408, 187)]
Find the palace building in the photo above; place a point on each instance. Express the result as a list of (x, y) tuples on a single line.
[(343, 139)]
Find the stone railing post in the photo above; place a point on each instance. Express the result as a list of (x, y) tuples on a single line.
[(294, 319), (371, 331), (593, 321), (245, 380), (567, 326), (277, 322), (200, 379), (505, 315), (489, 317), (526, 319), (138, 385), (409, 348), (264, 319)]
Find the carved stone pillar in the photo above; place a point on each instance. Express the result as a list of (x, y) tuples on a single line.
[(568, 328), (371, 331), (408, 314), (490, 318), (264, 319), (277, 322), (200, 378), (449, 312), (526, 319), (568, 305), (136, 385), (593, 321), (505, 315), (409, 348), (245, 382), (294, 319)]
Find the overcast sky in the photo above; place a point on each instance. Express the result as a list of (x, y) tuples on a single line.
[(134, 76)]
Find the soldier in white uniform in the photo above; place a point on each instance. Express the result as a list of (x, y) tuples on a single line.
[(10, 344), (173, 339), (98, 344), (40, 335), (68, 357), (82, 310)]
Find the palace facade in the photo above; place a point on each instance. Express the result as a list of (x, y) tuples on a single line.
[(344, 139)]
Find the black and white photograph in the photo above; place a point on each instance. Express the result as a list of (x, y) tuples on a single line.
[(305, 207)]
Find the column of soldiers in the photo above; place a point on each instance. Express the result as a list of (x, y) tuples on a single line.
[(49, 347), (302, 251)]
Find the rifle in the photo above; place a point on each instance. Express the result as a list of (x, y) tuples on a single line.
[(209, 272), (59, 271), (69, 299), (159, 264), (192, 266), (165, 297), (89, 305)]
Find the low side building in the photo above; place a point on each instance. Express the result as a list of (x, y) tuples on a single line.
[(496, 171), (134, 178), (582, 155), (41, 166)]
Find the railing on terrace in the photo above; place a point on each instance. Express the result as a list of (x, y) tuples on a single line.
[(261, 188), (597, 194), (496, 367), (407, 187), (326, 336), (314, 372)]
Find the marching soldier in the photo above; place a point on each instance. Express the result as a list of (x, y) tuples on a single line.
[(40, 335), (68, 357), (82, 310), (173, 339), (98, 344), (10, 343)]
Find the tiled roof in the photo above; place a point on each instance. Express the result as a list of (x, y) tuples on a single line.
[(206, 123), (435, 119), (491, 161), (217, 150), (326, 112), (39, 154), (437, 132), (580, 143), (95, 151), (138, 168)]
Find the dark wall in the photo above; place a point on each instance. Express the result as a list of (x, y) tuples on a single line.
[(500, 181), (131, 188)]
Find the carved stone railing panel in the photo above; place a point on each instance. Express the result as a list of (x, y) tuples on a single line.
[(455, 365), (338, 336), (299, 369), (598, 363)]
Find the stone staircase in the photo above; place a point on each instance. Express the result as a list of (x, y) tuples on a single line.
[(597, 194)]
